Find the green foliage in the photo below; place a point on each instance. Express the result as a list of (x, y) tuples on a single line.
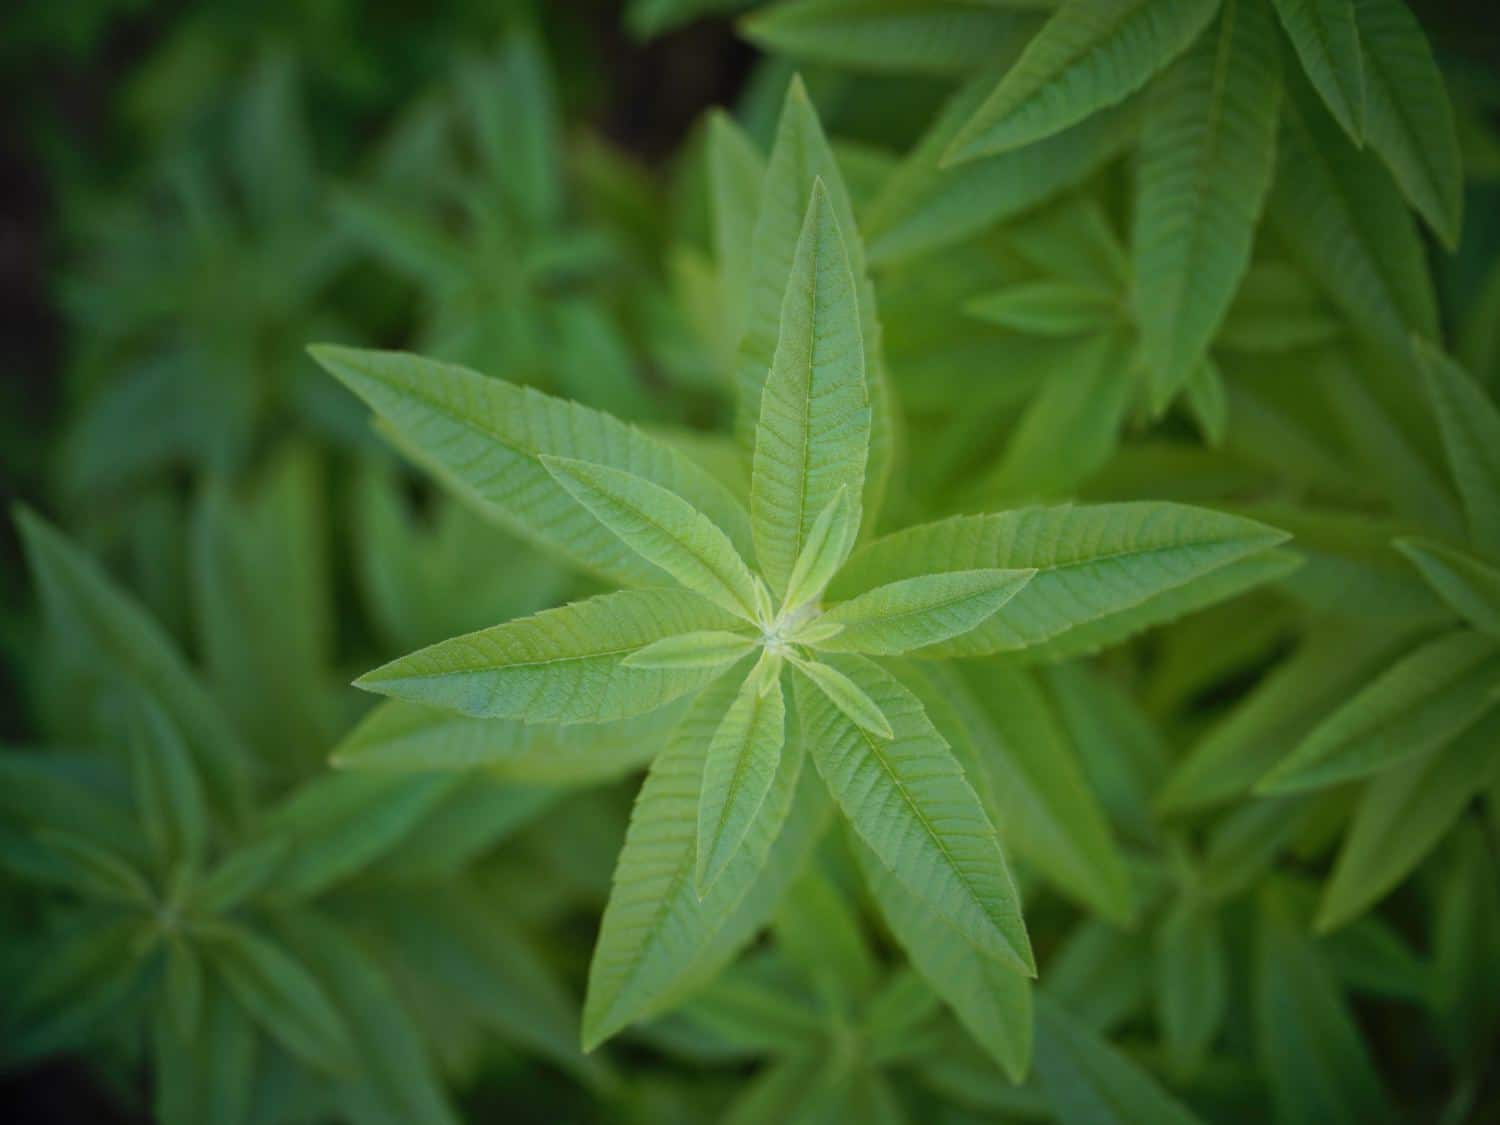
[(965, 586)]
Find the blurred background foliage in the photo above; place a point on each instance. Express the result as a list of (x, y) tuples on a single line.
[(196, 191)]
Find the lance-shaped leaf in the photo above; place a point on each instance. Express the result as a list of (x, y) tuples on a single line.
[(737, 775), (663, 529), (1470, 586), (1325, 35), (1086, 1081), (1089, 55), (711, 648), (1408, 120), (167, 791), (826, 549), (939, 37), (916, 612), (847, 696), (908, 799), (1470, 424), (655, 927), (484, 437), (813, 437), (735, 171), (801, 156), (1192, 985), (1092, 563), (102, 632), (1310, 1048), (1419, 704), (563, 665), (1207, 150), (209, 1075), (991, 999), (1401, 817), (1050, 307), (284, 998), (1343, 222)]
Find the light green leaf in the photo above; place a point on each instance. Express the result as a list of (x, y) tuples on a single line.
[(800, 157), (1208, 399), (1093, 563), (907, 798), (1309, 1045), (924, 207), (1086, 1081), (707, 649), (1408, 120), (167, 792), (938, 37), (1401, 817), (1471, 437), (241, 874), (104, 634), (738, 772), (655, 927), (1344, 224), (813, 436), (845, 695), (1192, 985), (563, 665), (1089, 55), (991, 999), (1207, 151), (1325, 35), (736, 170), (284, 998), (826, 549), (1042, 801), (1048, 308), (1419, 704), (1470, 586), (484, 437), (663, 529), (916, 612)]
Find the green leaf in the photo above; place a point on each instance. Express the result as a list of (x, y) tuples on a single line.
[(1089, 55), (184, 987), (209, 1075), (663, 529), (563, 665), (401, 736), (284, 998), (707, 649), (939, 37), (1042, 801), (1207, 151), (108, 635), (1408, 120), (1093, 563), (850, 699), (916, 612), (736, 170), (1466, 940), (1192, 985), (655, 927), (167, 791), (242, 873), (485, 437), (924, 207), (799, 158), (1470, 425), (1419, 704), (1309, 1046), (991, 999), (1325, 35), (1470, 586), (826, 549), (93, 870), (1050, 307), (1208, 400), (813, 436), (738, 773), (1088, 1082), (1342, 221), (1401, 817), (907, 798)]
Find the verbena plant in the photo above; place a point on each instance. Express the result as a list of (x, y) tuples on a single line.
[(1163, 789)]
